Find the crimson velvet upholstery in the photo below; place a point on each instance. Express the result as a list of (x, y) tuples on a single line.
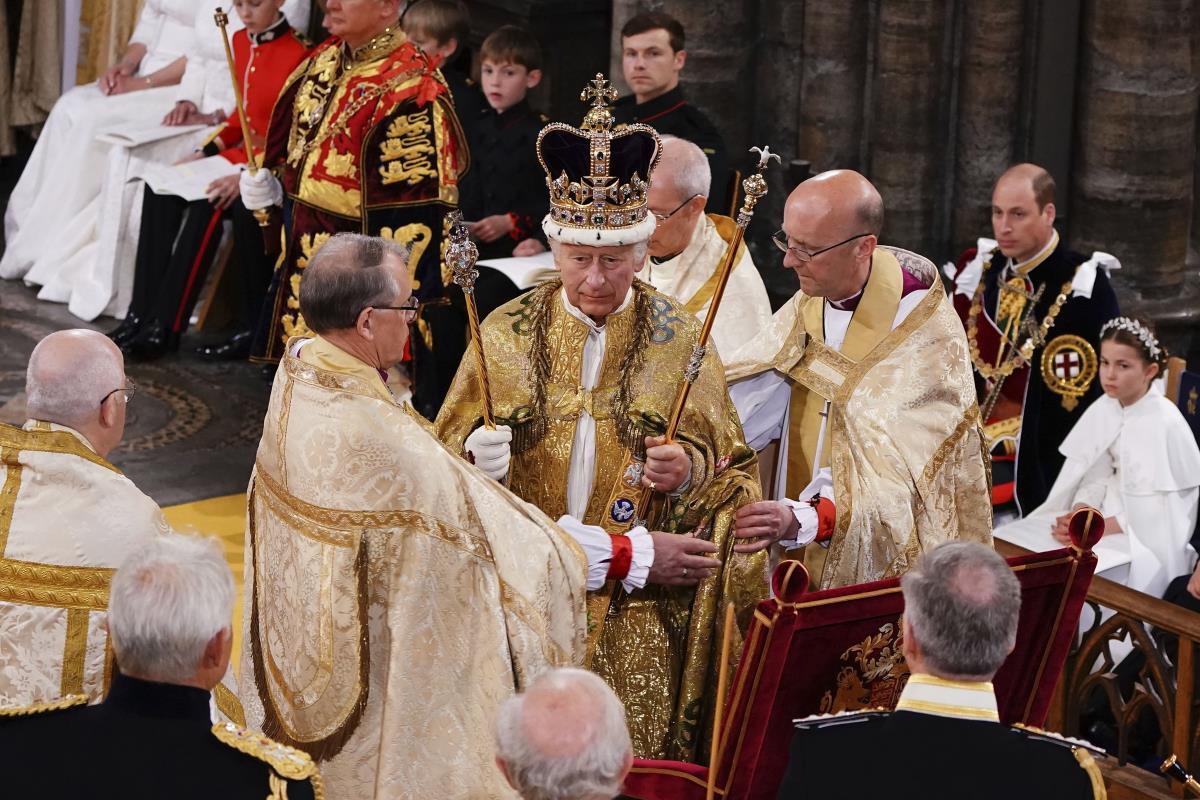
[(839, 650)]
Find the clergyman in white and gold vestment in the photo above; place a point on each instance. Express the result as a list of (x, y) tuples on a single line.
[(688, 248), (864, 377), (584, 373), (68, 518), (394, 595)]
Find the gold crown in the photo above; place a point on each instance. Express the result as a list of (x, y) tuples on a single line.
[(598, 177)]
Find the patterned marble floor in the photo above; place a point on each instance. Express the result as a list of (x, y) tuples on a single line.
[(193, 427)]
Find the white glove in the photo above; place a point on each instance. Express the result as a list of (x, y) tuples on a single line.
[(260, 190), (490, 450)]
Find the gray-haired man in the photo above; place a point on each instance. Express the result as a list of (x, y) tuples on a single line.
[(564, 739), (65, 510), (961, 608), (169, 617)]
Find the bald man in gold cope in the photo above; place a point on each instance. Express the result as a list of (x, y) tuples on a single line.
[(864, 377)]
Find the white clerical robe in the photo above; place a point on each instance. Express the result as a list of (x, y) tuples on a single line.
[(691, 277), (581, 475), (1139, 464), (763, 403), (68, 518)]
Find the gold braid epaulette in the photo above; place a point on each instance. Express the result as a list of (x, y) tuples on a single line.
[(63, 703), (287, 762), (1027, 348)]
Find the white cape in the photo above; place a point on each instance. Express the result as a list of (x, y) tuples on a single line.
[(1153, 495)]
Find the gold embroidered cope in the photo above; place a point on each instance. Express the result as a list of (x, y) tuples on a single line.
[(903, 437), (652, 646), (394, 596)]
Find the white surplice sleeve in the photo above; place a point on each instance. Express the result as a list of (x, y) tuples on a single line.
[(597, 545)]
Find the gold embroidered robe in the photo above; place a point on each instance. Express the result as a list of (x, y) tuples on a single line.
[(657, 646), (68, 518), (903, 436), (394, 596)]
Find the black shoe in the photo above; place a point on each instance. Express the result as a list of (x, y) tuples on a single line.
[(235, 348), (155, 341), (126, 331)]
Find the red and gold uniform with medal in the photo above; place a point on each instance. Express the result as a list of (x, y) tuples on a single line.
[(363, 141)]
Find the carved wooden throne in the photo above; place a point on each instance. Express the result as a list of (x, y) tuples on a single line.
[(837, 650)]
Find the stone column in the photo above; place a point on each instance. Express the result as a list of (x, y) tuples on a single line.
[(906, 130), (833, 83), (1136, 132), (989, 100)]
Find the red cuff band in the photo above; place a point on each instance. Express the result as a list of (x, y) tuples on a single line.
[(622, 558), (826, 517)]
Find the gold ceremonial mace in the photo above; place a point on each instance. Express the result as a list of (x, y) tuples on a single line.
[(222, 19), (754, 187), (461, 255)]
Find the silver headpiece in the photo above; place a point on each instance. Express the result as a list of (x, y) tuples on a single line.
[(1137, 329)]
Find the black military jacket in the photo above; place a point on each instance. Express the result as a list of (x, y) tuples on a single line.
[(145, 740), (505, 176), (1045, 420), (907, 755), (672, 114)]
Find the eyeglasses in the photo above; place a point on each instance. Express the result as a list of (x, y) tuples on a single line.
[(409, 309), (130, 389), (664, 217), (781, 241)]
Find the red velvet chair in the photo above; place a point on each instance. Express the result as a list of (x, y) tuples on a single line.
[(837, 650)]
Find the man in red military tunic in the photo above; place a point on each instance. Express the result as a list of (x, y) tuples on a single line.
[(363, 138)]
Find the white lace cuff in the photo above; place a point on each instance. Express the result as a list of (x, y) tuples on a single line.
[(806, 515), (597, 546)]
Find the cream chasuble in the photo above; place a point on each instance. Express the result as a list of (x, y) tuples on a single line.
[(68, 518), (394, 595), (691, 277), (902, 436), (655, 645)]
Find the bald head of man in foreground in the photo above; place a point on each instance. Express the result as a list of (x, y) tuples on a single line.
[(564, 738), (76, 378), (832, 223)]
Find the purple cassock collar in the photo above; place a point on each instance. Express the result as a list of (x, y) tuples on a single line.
[(911, 284)]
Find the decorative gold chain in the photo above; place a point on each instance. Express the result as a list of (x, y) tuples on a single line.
[(1022, 356)]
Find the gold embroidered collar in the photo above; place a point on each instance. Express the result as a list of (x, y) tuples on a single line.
[(927, 694), (379, 46), (1026, 267)]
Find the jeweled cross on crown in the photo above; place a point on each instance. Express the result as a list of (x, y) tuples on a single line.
[(599, 91)]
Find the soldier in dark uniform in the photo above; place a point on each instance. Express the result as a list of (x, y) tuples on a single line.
[(1028, 290), (152, 736), (961, 607), (652, 56)]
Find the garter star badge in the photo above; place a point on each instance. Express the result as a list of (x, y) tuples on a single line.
[(1068, 367)]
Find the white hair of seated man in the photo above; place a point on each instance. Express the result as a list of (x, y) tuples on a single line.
[(169, 603), (564, 738), (70, 374), (686, 165)]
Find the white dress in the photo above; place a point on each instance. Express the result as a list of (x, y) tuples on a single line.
[(1139, 464), (73, 219), (49, 225), (107, 284)]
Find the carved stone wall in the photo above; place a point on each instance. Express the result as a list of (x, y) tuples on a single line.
[(932, 99)]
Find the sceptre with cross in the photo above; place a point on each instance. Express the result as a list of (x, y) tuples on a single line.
[(754, 187)]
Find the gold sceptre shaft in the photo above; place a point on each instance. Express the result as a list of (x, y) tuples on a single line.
[(754, 187), (222, 19), (1174, 770), (461, 255)]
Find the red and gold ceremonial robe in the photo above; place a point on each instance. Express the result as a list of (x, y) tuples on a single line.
[(364, 141)]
